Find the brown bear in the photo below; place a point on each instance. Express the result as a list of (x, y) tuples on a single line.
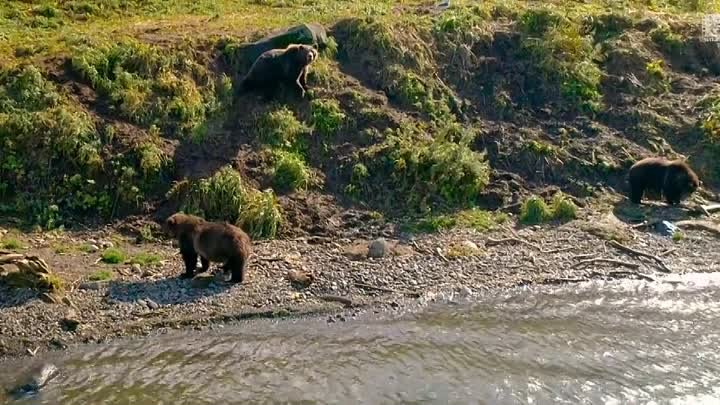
[(674, 179), (289, 65), (213, 242)]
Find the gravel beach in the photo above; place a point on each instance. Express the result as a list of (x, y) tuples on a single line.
[(335, 277)]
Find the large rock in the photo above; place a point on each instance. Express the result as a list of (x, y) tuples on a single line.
[(378, 248), (308, 34)]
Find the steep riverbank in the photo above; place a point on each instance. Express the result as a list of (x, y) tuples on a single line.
[(457, 125), (138, 299)]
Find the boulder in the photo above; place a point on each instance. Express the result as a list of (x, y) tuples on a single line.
[(308, 34), (378, 248)]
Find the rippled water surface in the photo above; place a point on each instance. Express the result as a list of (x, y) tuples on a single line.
[(624, 342)]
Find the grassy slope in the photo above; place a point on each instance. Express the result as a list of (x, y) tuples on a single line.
[(107, 107)]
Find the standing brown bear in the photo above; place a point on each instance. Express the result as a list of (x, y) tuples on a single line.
[(276, 66), (674, 179), (213, 242)]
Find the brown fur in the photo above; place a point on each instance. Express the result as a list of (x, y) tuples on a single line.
[(674, 179), (212, 242), (289, 65)]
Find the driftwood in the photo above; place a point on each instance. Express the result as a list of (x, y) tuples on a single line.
[(608, 261), (710, 208), (494, 242), (667, 252), (661, 264), (623, 274), (701, 225), (387, 290), (336, 298)]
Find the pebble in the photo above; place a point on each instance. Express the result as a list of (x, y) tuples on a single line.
[(92, 248), (136, 268), (470, 245)]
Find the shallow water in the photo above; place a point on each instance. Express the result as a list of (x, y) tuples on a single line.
[(620, 342)]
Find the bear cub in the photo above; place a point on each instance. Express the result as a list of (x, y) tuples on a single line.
[(289, 65), (674, 179), (213, 242)]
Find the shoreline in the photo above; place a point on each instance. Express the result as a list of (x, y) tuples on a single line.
[(147, 299)]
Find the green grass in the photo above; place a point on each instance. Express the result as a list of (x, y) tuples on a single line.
[(145, 259), (476, 219), (101, 275), (150, 85), (114, 256)]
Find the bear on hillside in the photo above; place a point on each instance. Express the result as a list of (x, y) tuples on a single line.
[(213, 242), (276, 66), (674, 179)]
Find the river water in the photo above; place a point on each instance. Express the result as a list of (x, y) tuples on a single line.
[(615, 342)]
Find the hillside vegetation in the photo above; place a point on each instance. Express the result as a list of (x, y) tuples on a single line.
[(113, 108)]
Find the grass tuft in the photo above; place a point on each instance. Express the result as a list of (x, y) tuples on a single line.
[(290, 172), (145, 259), (280, 128), (113, 256), (327, 117), (101, 275)]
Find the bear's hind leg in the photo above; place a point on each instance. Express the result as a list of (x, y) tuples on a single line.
[(190, 260)]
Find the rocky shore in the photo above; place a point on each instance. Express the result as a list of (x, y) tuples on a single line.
[(335, 277)]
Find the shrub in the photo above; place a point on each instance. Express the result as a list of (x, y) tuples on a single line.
[(440, 170), (290, 172), (226, 196)]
